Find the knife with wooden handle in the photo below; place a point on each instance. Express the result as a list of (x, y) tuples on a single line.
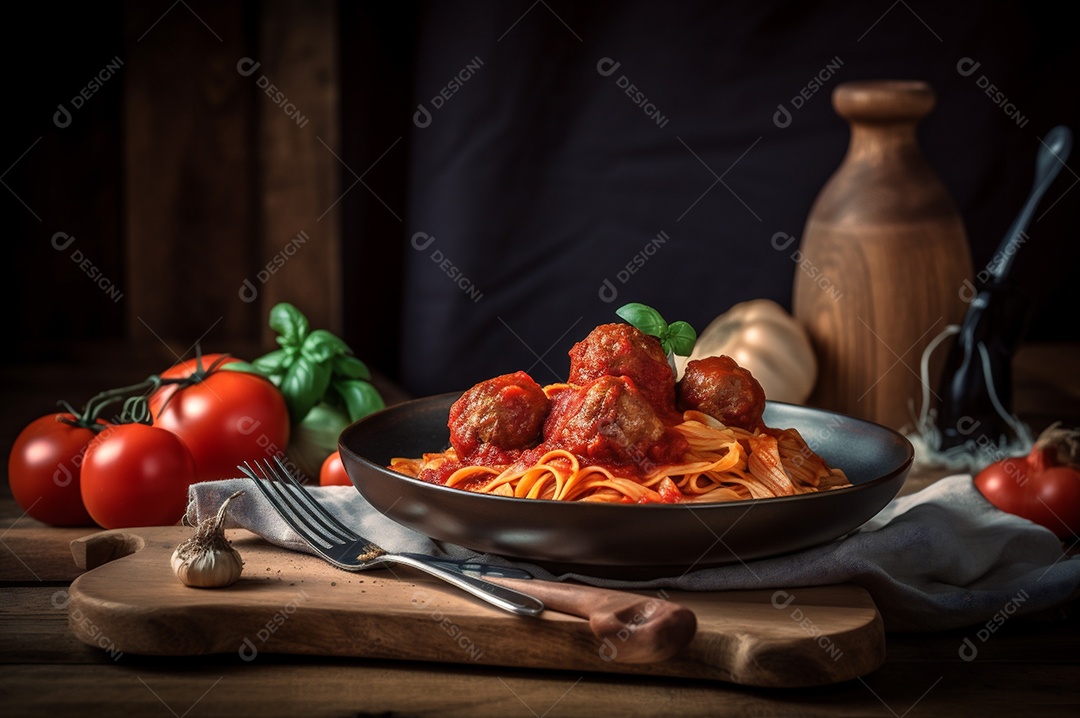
[(632, 628)]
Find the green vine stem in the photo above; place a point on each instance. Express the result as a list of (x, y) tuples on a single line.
[(138, 411)]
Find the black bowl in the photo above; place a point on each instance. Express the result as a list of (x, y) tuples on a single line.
[(626, 540)]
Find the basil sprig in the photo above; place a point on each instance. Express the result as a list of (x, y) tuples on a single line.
[(313, 367), (676, 338)]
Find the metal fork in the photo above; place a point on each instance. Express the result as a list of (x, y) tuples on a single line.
[(347, 550)]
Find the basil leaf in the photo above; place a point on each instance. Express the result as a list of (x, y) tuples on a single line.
[(303, 386), (308, 362), (320, 346), (276, 362), (241, 366), (680, 338), (251, 368), (644, 318), (361, 398), (289, 323), (349, 367)]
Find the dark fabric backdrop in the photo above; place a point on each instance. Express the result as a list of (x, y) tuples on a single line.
[(538, 178)]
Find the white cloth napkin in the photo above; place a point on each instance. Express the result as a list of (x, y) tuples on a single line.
[(938, 559)]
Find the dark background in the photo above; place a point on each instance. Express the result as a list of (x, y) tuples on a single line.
[(538, 178)]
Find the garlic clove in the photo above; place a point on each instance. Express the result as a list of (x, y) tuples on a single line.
[(213, 568), (207, 559)]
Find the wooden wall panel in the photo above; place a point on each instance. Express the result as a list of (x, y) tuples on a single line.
[(61, 178), (299, 135), (190, 187), (181, 179)]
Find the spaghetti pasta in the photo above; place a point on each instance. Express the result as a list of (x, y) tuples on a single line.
[(622, 430), (721, 464)]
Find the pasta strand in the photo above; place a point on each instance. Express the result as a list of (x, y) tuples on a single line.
[(721, 464)]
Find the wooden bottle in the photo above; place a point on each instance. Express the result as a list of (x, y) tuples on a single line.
[(883, 259)]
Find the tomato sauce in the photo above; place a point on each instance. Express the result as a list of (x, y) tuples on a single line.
[(617, 410)]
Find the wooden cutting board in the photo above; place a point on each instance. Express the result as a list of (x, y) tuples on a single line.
[(130, 601)]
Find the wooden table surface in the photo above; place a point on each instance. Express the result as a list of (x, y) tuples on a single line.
[(1029, 665)]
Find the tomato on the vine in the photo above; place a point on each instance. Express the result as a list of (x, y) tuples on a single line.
[(136, 475), (1037, 488), (333, 472), (44, 470), (1043, 486), (225, 417)]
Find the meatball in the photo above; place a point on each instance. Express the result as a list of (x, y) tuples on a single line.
[(506, 412), (719, 387), (623, 350), (606, 421)]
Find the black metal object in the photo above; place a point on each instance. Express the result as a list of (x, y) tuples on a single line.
[(976, 391), (619, 540)]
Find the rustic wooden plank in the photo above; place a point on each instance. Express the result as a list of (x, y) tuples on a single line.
[(1050, 637), (34, 623), (294, 603), (31, 551), (189, 207), (299, 134), (208, 686)]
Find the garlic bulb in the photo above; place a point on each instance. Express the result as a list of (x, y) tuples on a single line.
[(207, 559)]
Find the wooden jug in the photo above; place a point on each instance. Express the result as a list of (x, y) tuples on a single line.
[(883, 259)]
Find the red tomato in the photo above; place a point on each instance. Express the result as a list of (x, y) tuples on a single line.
[(1035, 489), (136, 475), (228, 418), (44, 470), (333, 472)]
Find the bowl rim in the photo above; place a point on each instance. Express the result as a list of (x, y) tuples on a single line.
[(902, 468)]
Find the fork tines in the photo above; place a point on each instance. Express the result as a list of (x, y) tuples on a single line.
[(306, 516)]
